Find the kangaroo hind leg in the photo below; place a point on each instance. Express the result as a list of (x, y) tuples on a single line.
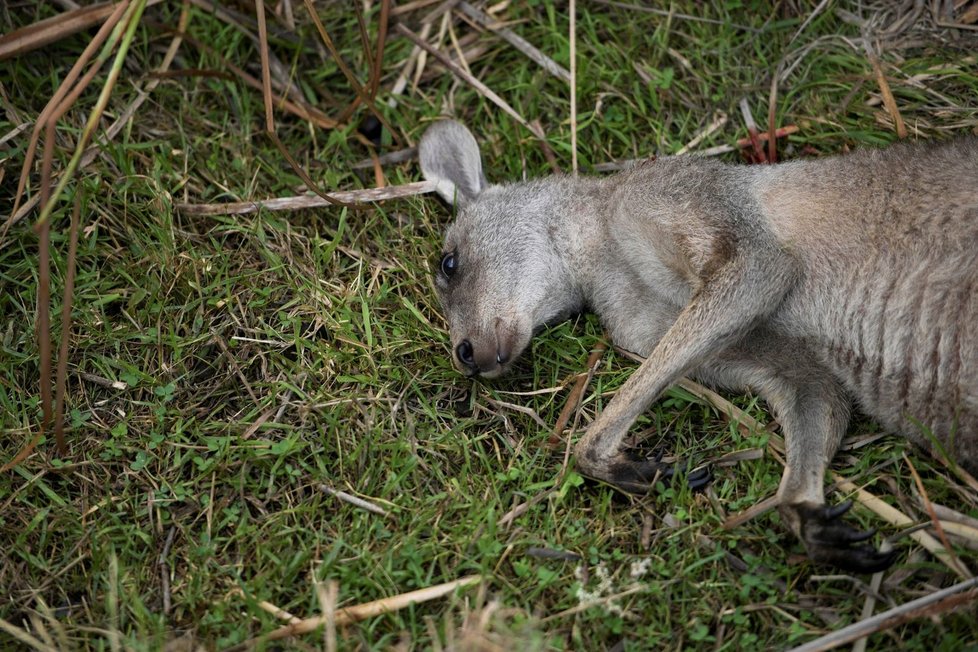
[(814, 413)]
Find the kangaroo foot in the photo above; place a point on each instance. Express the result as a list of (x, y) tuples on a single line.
[(636, 474), (830, 540)]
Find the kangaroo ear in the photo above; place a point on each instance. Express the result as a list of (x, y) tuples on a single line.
[(450, 157)]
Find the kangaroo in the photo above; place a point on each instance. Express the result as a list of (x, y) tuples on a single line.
[(812, 283)]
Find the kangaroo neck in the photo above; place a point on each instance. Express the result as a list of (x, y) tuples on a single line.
[(578, 229)]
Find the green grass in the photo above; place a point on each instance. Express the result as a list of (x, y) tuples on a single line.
[(265, 355)]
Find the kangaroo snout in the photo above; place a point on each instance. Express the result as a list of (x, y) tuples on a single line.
[(486, 357), (486, 353)]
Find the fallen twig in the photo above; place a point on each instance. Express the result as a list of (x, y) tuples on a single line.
[(362, 611), (55, 28), (752, 512), (871, 597), (522, 409), (522, 508), (719, 119), (576, 393), (165, 568), (772, 109), (521, 44), (457, 70), (753, 132), (103, 382), (780, 132), (888, 100), (308, 201), (390, 158), (353, 500), (278, 612), (899, 519), (929, 605), (572, 37), (925, 499), (61, 377)]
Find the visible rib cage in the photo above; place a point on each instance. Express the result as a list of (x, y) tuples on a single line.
[(903, 341)]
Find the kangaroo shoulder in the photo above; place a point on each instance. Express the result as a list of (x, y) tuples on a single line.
[(687, 214)]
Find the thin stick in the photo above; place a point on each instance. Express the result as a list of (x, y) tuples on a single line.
[(61, 380), (475, 83), (103, 382), (899, 519), (929, 605), (672, 14), (772, 107), (548, 153), (365, 95), (385, 9), (752, 131), (309, 201), (408, 7), (44, 326), (16, 131), (930, 511), (402, 78), (278, 612), (363, 611), (888, 100), (353, 500), (266, 75), (328, 594), (55, 28), (165, 568), (573, 84), (576, 393), (719, 119), (131, 19), (24, 637), (364, 39), (518, 42), (752, 512), (780, 132), (507, 519), (871, 596), (73, 74), (522, 409)]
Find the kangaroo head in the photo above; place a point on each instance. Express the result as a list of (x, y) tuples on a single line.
[(500, 275)]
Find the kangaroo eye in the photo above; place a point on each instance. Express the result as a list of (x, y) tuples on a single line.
[(449, 264)]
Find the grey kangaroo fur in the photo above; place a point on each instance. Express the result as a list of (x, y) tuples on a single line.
[(814, 283)]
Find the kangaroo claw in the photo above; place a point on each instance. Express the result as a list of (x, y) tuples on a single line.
[(829, 540), (637, 475)]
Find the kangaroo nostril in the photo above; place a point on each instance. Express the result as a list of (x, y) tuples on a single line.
[(464, 353), (502, 357)]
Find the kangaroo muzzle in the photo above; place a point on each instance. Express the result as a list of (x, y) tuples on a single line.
[(486, 358)]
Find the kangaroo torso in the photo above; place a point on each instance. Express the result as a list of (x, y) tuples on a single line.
[(888, 252)]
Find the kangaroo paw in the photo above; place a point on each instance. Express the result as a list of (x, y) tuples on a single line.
[(635, 474), (830, 540)]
